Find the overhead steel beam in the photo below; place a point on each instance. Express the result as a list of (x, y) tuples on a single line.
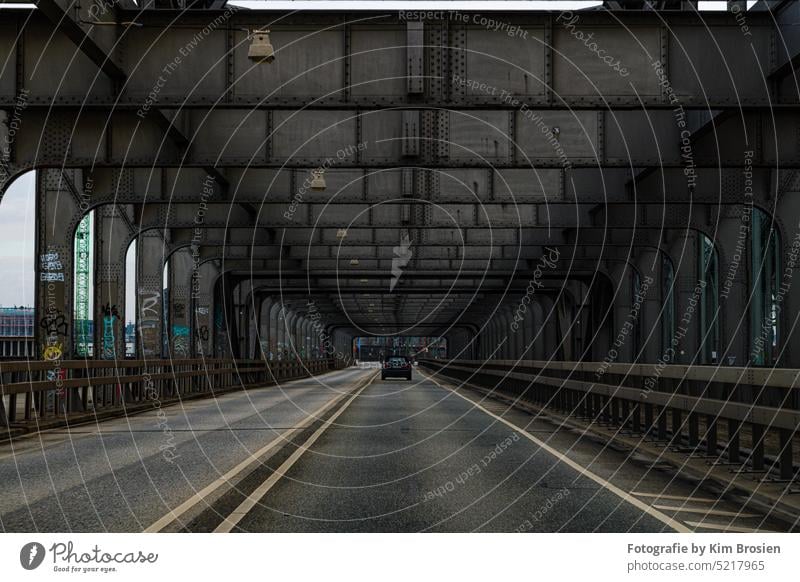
[(309, 139), (632, 140), (448, 220), (547, 66), (64, 24), (284, 187), (105, 62)]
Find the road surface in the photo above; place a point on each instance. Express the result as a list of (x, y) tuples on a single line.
[(346, 452)]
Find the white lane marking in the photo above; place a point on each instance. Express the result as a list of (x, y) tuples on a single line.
[(675, 497), (682, 509), (243, 466), (256, 496), (724, 527), (648, 509)]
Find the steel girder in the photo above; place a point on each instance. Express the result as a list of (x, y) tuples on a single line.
[(375, 140), (361, 58), (541, 185)]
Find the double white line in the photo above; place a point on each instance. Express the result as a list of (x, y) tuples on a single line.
[(253, 460)]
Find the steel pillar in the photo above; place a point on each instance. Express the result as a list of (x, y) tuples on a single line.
[(787, 215), (622, 337), (243, 315), (181, 268), (57, 217), (550, 328), (733, 250), (252, 317), (204, 278), (150, 256), (291, 335), (683, 343), (648, 262), (111, 244), (264, 327)]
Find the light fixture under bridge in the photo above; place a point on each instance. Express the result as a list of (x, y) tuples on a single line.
[(261, 50)]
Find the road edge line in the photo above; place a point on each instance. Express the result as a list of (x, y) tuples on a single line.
[(662, 517)]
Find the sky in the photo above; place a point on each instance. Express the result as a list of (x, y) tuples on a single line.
[(17, 236)]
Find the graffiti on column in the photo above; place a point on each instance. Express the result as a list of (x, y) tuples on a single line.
[(149, 318), (52, 353), (179, 311), (50, 267), (54, 325), (110, 318), (180, 333), (180, 340), (221, 335), (201, 333), (54, 322)]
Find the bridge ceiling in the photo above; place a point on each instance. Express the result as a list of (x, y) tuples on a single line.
[(456, 154)]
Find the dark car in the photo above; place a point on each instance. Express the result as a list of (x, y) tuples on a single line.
[(396, 367)]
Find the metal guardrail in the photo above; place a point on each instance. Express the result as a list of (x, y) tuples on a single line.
[(683, 406), (36, 392)]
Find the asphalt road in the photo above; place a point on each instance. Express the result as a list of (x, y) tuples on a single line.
[(395, 457), (122, 475)]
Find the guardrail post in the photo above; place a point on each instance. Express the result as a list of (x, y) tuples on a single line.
[(605, 402), (636, 418), (711, 435), (677, 426), (594, 407), (614, 403), (694, 430), (734, 428), (4, 415), (626, 413), (757, 455), (785, 454), (590, 407), (648, 418)]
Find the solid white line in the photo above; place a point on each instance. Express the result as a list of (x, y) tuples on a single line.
[(256, 496), (243, 466), (675, 497), (705, 511), (723, 527), (665, 519)]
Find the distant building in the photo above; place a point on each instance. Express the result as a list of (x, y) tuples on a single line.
[(16, 332), (130, 340), (16, 321)]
